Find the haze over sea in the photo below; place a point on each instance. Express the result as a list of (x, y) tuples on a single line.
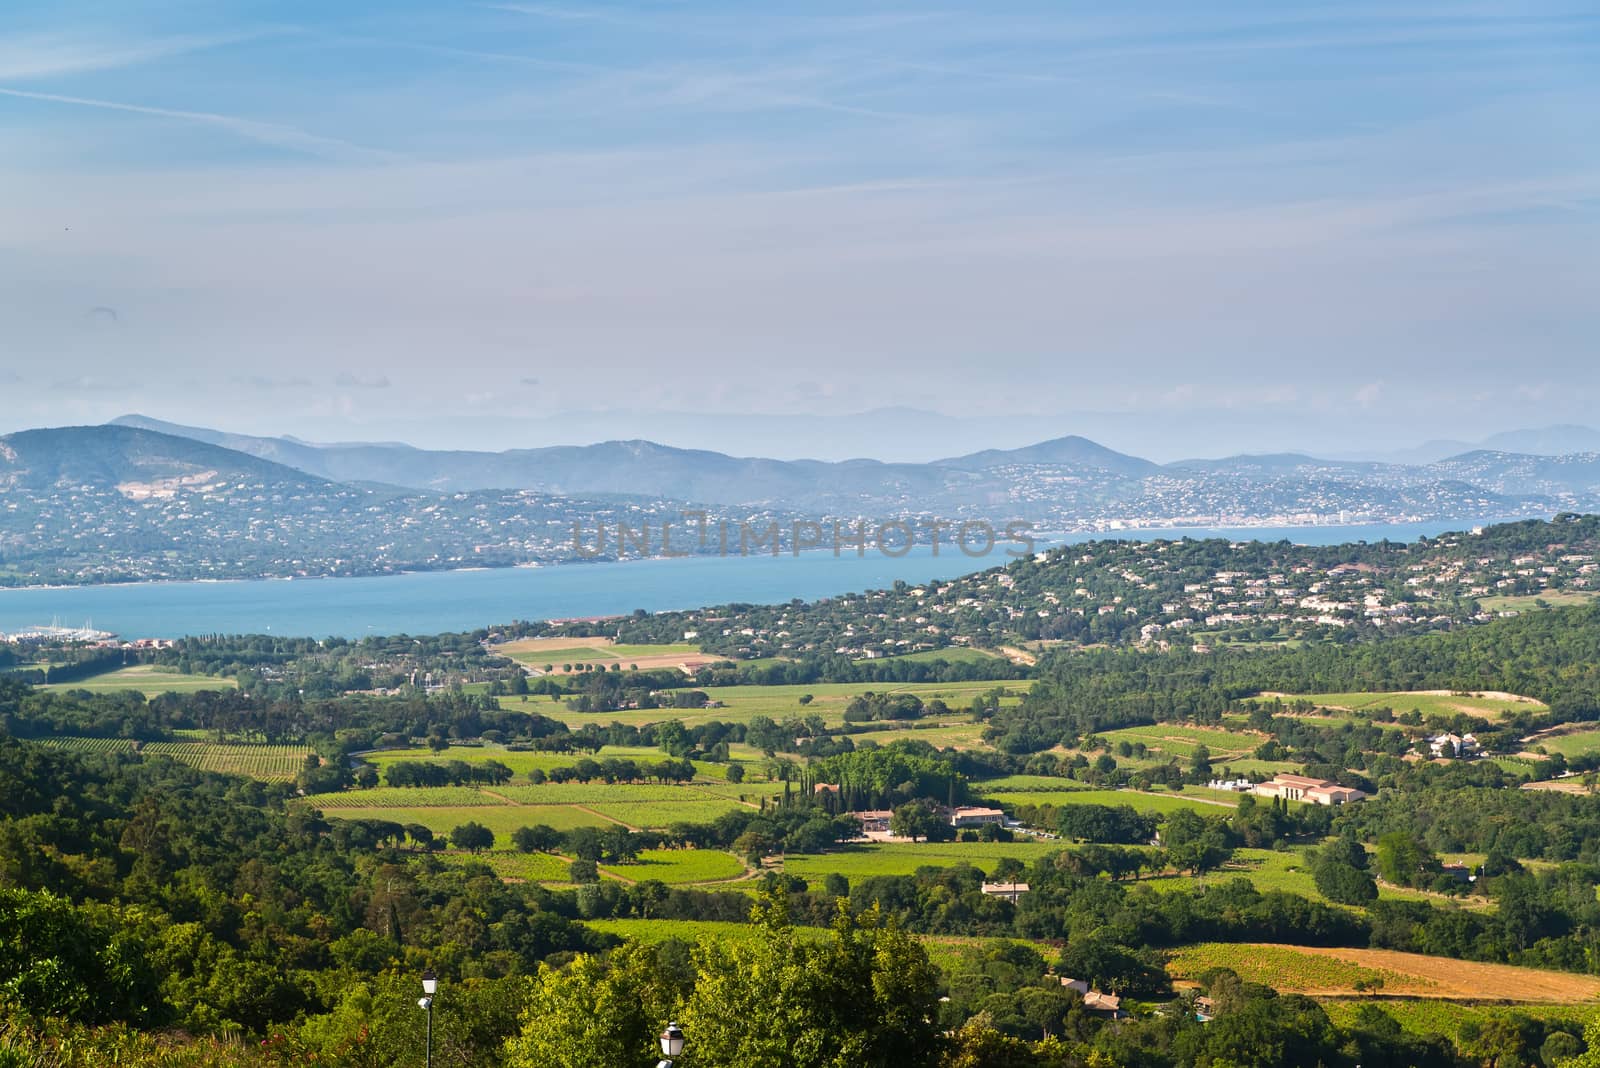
[(442, 601)]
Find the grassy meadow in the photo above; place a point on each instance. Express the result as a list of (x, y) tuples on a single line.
[(147, 679)]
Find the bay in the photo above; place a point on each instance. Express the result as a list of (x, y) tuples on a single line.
[(441, 601)]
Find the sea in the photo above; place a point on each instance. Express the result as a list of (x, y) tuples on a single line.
[(436, 602)]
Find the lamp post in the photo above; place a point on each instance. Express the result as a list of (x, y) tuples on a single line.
[(671, 1045), (430, 987)]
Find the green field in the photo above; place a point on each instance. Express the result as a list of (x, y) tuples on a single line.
[(687, 930), (1429, 1016), (519, 867), (675, 867), (269, 763), (501, 819), (146, 679), (742, 702), (1576, 743), (1530, 602), (1006, 784), (1179, 740), (521, 762), (1277, 966), (680, 867), (559, 805), (864, 860), (588, 651), (1161, 804), (1429, 704)]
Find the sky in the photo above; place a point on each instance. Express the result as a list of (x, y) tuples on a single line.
[(1180, 228)]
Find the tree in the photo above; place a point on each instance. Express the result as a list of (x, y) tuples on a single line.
[(472, 837), (583, 870), (536, 839), (735, 773), (867, 996), (913, 820), (1344, 883), (598, 1012), (1404, 861)]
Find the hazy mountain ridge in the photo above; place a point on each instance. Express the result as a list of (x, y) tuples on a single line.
[(1065, 477)]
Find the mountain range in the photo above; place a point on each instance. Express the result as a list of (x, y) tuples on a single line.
[(992, 476), (139, 500)]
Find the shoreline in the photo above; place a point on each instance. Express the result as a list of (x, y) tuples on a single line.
[(1049, 540)]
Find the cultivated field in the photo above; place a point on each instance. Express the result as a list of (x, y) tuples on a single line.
[(1569, 744), (738, 703), (1205, 802), (564, 655), (562, 806), (523, 762), (146, 679), (1177, 740), (864, 860), (1324, 971), (269, 763), (1429, 702), (1431, 1016), (1530, 602)]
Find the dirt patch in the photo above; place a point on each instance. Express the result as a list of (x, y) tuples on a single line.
[(1441, 977), (1559, 786)]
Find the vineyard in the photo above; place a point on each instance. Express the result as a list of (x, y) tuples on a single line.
[(269, 763), (89, 745), (1431, 1016)]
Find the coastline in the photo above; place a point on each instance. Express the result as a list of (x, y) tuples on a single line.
[(1048, 539)]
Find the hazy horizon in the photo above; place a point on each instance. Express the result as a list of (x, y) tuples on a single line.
[(1336, 229)]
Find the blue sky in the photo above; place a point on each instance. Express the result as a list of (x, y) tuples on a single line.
[(1185, 228)]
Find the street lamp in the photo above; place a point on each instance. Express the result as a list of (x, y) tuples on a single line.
[(671, 1045), (430, 987)]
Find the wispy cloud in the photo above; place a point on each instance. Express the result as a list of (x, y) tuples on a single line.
[(563, 14), (28, 56), (263, 382), (267, 133), (352, 381)]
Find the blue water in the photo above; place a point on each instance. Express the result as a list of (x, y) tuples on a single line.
[(436, 602)]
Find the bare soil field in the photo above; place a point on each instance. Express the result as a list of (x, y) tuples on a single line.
[(1440, 977)]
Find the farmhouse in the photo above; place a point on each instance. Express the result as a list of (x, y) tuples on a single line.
[(1010, 891), (1453, 745), (1109, 1004), (970, 816), (1303, 788), (874, 820)]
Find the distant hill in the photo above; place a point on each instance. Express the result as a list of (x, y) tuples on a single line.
[(1577, 474), (1561, 440), (1071, 451), (108, 456)]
